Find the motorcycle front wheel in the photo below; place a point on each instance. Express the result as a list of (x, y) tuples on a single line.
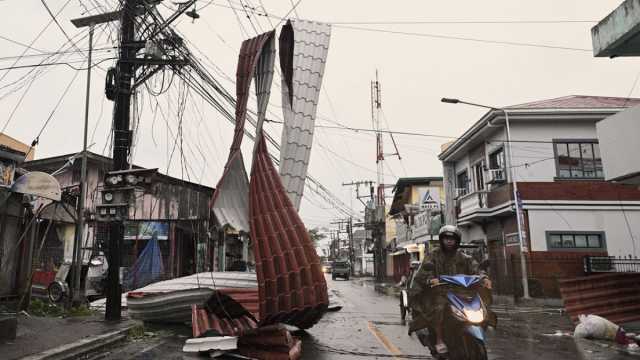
[(474, 349), (462, 346)]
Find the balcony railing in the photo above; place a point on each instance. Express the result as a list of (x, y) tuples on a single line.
[(496, 176), (460, 192), (602, 264), (473, 201)]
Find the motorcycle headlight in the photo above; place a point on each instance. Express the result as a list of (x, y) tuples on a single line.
[(96, 262), (474, 316)]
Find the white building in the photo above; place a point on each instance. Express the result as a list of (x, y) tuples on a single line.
[(569, 210)]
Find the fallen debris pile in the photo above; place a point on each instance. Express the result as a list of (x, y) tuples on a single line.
[(599, 328)]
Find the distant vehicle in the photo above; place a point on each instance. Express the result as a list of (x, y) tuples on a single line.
[(341, 269), (326, 267), (404, 293)]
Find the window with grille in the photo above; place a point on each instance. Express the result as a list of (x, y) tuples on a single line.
[(462, 183)]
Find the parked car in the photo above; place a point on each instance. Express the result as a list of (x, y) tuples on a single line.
[(341, 269), (326, 267)]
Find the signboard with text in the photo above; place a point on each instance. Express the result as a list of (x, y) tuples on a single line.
[(429, 198)]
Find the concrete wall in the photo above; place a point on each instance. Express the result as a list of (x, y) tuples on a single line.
[(612, 222), (614, 35), (539, 157), (473, 232)]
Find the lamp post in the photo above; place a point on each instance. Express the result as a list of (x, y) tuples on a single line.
[(77, 244), (516, 197)]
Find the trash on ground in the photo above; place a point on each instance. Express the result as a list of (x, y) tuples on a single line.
[(211, 343), (595, 327), (558, 333)]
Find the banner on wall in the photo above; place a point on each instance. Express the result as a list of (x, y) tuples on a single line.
[(144, 230)]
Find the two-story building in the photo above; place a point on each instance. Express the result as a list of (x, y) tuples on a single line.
[(568, 209), (417, 216)]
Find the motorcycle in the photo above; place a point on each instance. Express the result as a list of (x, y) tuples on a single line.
[(92, 279), (405, 307), (465, 321)]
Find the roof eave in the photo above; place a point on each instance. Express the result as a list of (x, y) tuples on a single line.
[(493, 114)]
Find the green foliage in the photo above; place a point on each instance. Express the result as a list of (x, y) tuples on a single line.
[(81, 310), (316, 235), (136, 333), (41, 308)]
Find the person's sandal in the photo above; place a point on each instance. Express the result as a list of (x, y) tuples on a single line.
[(442, 349)]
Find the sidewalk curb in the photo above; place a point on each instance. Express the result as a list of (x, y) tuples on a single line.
[(82, 347)]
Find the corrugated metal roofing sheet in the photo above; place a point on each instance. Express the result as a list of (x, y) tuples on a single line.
[(203, 322), (291, 284), (579, 102), (303, 53), (230, 201), (171, 300)]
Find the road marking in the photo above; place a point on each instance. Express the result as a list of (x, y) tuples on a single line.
[(392, 349), (151, 347)]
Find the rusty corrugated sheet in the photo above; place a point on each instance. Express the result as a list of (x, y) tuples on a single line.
[(230, 200), (203, 322), (227, 312), (291, 284), (303, 53), (270, 343)]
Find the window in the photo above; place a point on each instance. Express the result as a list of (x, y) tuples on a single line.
[(576, 240), (496, 159), (578, 159), (497, 166), (478, 176), (462, 183)]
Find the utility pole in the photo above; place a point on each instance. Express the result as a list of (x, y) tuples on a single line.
[(120, 182), (357, 184), (352, 257), (121, 144), (379, 204)]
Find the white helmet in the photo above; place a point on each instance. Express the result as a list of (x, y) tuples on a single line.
[(452, 231)]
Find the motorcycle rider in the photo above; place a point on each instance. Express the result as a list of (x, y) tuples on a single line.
[(429, 306)]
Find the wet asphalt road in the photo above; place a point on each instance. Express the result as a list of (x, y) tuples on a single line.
[(369, 326)]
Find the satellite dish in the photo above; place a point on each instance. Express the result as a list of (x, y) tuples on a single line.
[(38, 183)]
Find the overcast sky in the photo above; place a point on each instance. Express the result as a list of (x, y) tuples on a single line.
[(415, 72)]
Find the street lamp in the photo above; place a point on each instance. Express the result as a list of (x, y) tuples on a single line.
[(516, 198)]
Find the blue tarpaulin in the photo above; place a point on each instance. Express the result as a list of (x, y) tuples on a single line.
[(148, 267)]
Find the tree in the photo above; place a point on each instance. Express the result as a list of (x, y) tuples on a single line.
[(317, 234)]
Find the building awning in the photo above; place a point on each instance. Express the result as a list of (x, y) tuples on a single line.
[(399, 252), (413, 248)]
